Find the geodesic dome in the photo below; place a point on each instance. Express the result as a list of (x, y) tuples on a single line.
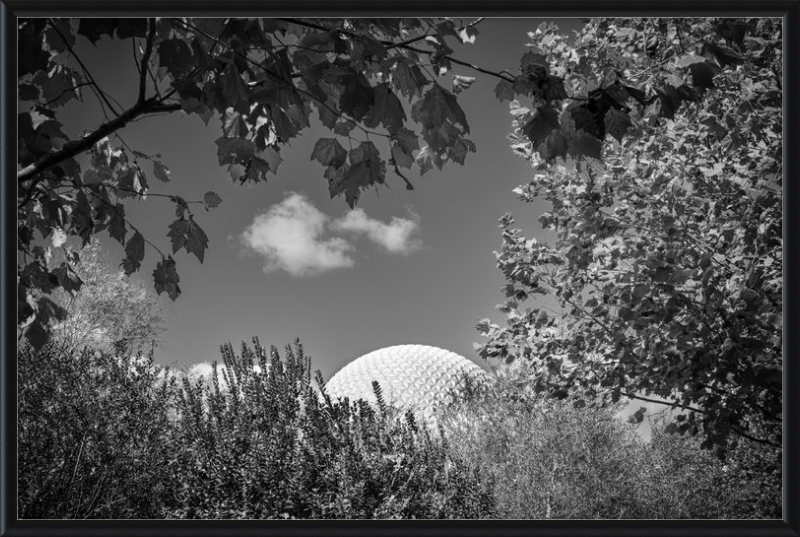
[(417, 377)]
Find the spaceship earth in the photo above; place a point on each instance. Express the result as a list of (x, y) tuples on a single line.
[(417, 377)]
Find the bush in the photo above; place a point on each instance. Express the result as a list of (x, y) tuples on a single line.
[(270, 446), (90, 435), (559, 459)]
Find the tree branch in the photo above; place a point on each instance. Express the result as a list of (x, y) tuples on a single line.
[(146, 59), (74, 148), (100, 93)]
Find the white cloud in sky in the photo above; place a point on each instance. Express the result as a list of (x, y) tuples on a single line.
[(296, 237), (289, 237), (397, 237)]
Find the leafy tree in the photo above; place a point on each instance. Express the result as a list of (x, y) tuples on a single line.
[(110, 312), (664, 174), (549, 459), (263, 79)]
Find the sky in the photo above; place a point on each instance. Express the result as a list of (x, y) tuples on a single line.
[(285, 261)]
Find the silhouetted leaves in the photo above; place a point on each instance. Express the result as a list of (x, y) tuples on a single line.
[(166, 278), (134, 253)]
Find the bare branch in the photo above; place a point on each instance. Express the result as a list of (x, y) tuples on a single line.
[(151, 32), (76, 147)]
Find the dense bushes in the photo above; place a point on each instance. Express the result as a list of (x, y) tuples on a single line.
[(550, 459), (90, 435), (116, 437), (108, 438)]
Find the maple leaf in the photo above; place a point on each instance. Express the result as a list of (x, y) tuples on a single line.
[(257, 169), (387, 110), (534, 63), (504, 91), (468, 34), (165, 277), (541, 124), (67, 278), (329, 152), (134, 253), (185, 233), (117, 228), (58, 85), (160, 171), (461, 83), (196, 239), (401, 158), (617, 123), (441, 117), (177, 233), (408, 79), (234, 90), (95, 28), (211, 199), (175, 55), (555, 145), (234, 150)]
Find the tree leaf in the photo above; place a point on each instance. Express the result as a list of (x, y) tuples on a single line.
[(177, 233), (504, 91), (117, 228), (468, 34), (401, 158), (37, 334), (212, 199), (439, 106), (134, 253), (175, 55), (541, 124), (408, 79), (67, 278), (234, 150), (58, 86), (461, 83), (585, 145), (165, 277), (617, 123), (196, 240), (234, 90), (257, 170), (96, 27), (160, 171), (387, 110), (329, 152)]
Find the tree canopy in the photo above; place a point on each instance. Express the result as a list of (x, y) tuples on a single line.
[(666, 274), (368, 81)]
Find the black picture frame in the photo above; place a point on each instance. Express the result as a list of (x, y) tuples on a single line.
[(10, 10)]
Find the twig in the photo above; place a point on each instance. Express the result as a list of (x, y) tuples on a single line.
[(146, 59)]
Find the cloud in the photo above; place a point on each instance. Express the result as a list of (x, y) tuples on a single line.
[(296, 237), (397, 237), (289, 237)]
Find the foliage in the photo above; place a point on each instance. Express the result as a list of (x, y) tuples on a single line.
[(90, 437), (110, 310), (105, 436), (664, 174), (552, 460), (270, 446), (265, 80)]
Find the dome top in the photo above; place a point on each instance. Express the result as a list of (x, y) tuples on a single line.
[(419, 377)]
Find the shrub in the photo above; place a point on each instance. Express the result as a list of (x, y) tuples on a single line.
[(559, 459), (271, 446), (90, 434)]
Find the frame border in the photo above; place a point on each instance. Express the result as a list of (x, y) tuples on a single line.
[(789, 10)]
